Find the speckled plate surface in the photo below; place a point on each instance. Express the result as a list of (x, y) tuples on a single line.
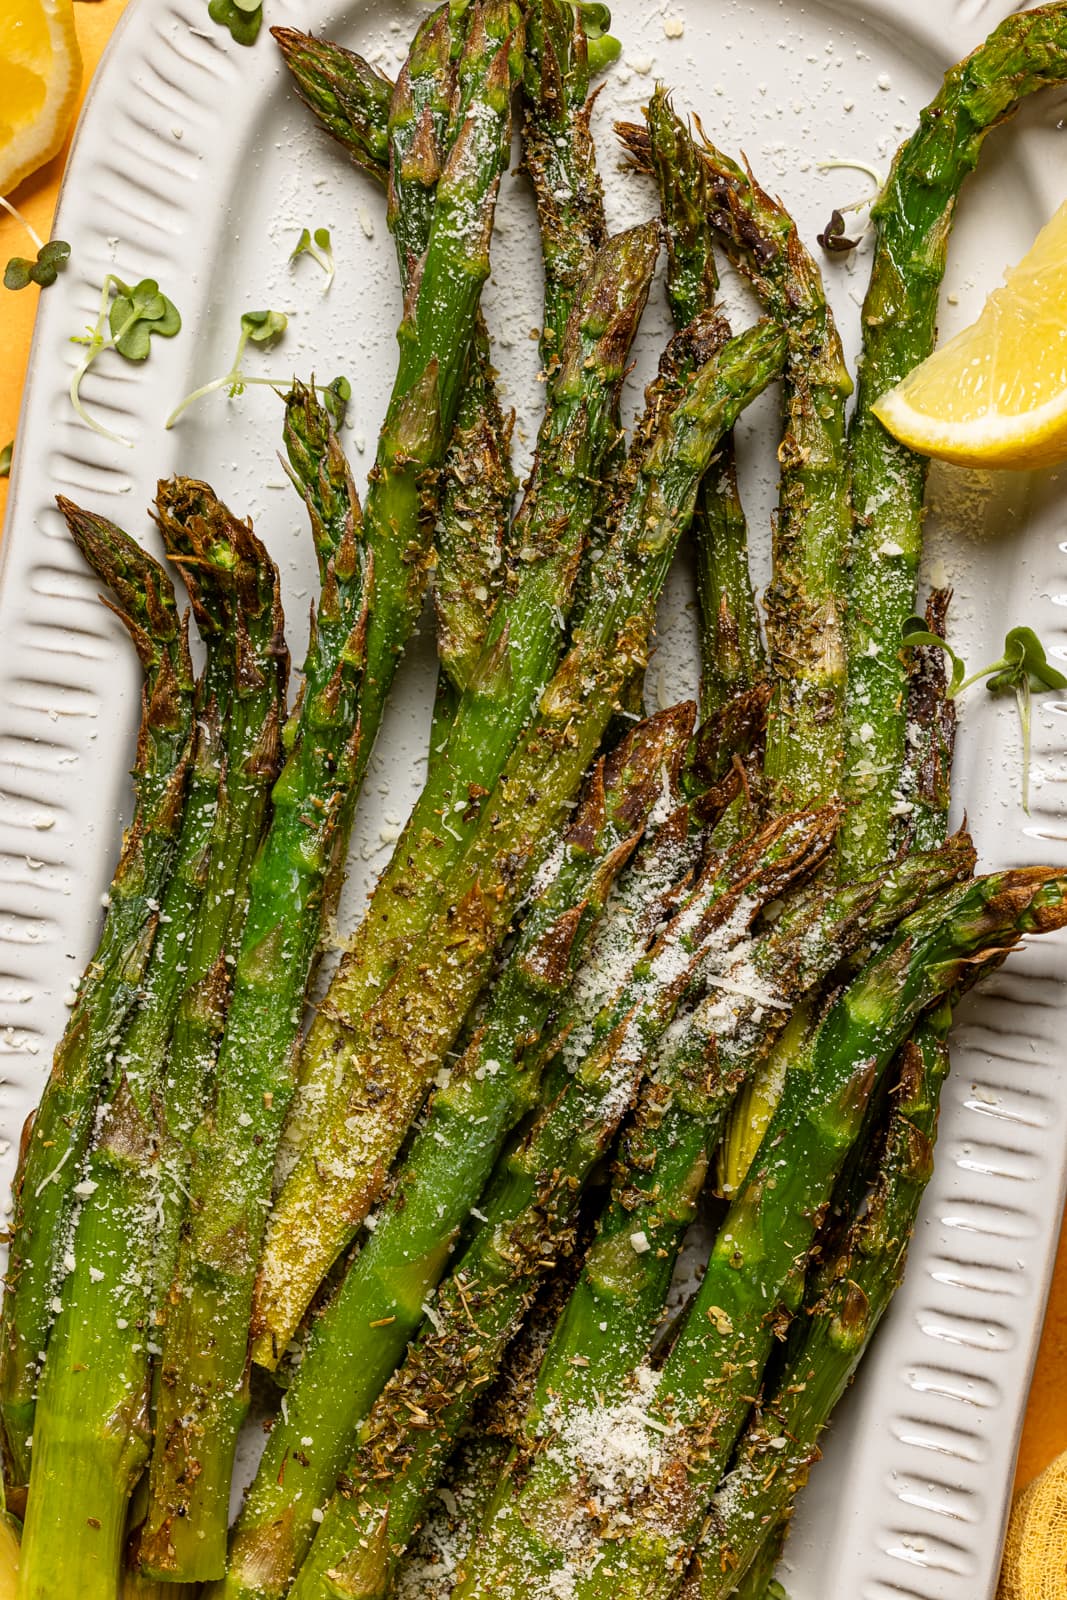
[(195, 165)]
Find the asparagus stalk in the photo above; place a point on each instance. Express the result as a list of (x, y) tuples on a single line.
[(350, 97), (931, 736), (524, 642), (913, 217), (612, 1315), (417, 129), (846, 1301), (92, 1433), (293, 879), (51, 1162), (805, 601), (195, 525), (399, 1043), (732, 654), (429, 1566), (363, 1331), (203, 1394), (529, 1215), (701, 1397), (558, 155), (560, 159)]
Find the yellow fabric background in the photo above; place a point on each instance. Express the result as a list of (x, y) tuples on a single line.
[(1045, 1434)]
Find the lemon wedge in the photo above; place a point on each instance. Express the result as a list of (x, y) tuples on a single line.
[(40, 74), (996, 394)]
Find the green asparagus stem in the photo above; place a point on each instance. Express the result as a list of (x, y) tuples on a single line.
[(400, 1041), (420, 113), (613, 1313), (359, 1338), (757, 1265), (51, 1162), (203, 1393), (805, 602), (526, 637), (477, 487), (558, 155), (731, 641), (560, 158), (92, 1433), (529, 1215), (913, 217), (295, 875), (191, 520), (931, 736), (475, 1465), (435, 339), (349, 97), (847, 1300)]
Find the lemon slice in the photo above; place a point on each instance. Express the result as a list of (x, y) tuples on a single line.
[(996, 394), (40, 74)]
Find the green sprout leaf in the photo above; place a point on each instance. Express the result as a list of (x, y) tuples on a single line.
[(18, 274), (257, 327), (51, 259), (1022, 670), (136, 314), (5, 459), (317, 245), (127, 318), (263, 327), (596, 18), (242, 21), (335, 398), (916, 633)]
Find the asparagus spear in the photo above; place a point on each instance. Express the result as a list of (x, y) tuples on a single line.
[(399, 1042), (363, 1331), (524, 642), (529, 1213), (397, 135), (350, 97), (731, 640), (931, 736), (429, 1566), (561, 162), (850, 1293), (757, 1264), (92, 1433), (51, 1161), (294, 876), (558, 155), (203, 1394), (192, 520), (913, 216), (613, 1313), (804, 602)]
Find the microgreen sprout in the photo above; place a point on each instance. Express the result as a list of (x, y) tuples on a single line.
[(51, 258), (316, 245), (833, 238), (264, 328), (335, 398), (1023, 668), (5, 459), (242, 18), (125, 324), (257, 327)]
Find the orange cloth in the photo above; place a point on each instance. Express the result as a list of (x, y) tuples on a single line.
[(1045, 1434)]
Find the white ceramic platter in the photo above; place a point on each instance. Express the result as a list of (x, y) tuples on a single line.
[(194, 164)]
